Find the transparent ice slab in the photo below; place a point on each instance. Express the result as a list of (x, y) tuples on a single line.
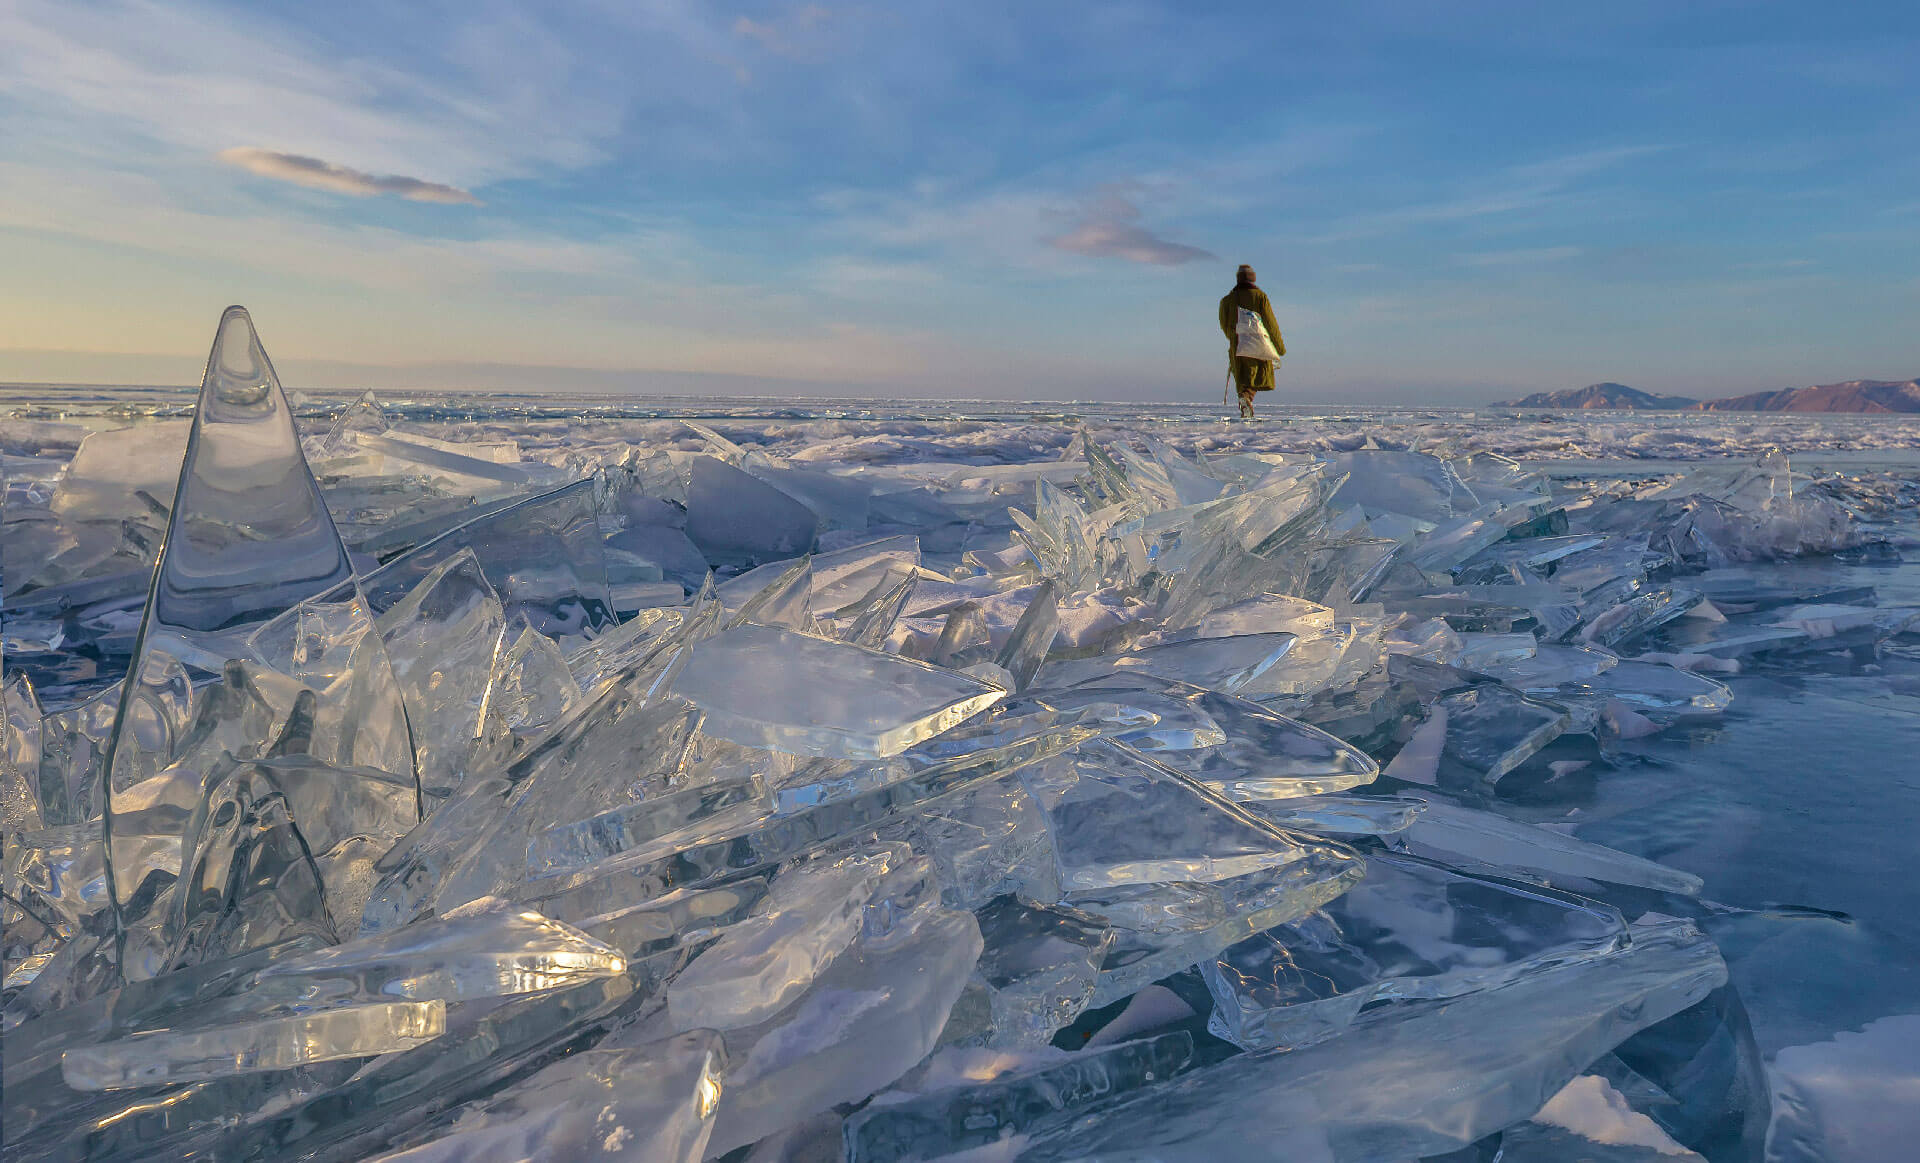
[(1040, 966), (479, 952), (543, 555), (825, 698), (737, 518), (441, 640), (980, 1116), (865, 1022), (391, 1095), (652, 1103), (1239, 748), (760, 965), (163, 1056), (1410, 930), (1440, 1077), (1117, 817), (1492, 730), (1452, 832), (1162, 928)]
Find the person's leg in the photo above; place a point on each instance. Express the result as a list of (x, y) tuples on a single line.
[(1246, 403)]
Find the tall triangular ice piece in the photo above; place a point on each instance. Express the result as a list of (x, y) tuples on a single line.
[(249, 537)]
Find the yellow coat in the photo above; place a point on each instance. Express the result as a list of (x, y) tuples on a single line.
[(1250, 375)]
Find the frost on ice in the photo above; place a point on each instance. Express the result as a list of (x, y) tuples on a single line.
[(439, 801)]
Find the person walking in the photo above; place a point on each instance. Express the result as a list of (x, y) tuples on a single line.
[(1254, 346)]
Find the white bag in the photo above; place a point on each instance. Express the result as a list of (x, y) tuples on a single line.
[(1250, 339)]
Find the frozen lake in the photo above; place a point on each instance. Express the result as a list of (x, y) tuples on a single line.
[(1493, 569)]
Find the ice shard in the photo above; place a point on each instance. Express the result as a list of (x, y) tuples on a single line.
[(1410, 930), (1039, 965), (1439, 1079), (441, 640), (273, 1044), (826, 699), (867, 1020), (479, 952), (1117, 817), (249, 536), (983, 1115), (1238, 748), (543, 555), (758, 966), (651, 1104)]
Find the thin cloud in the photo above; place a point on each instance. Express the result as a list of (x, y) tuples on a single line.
[(1509, 258), (1111, 229), (320, 175)]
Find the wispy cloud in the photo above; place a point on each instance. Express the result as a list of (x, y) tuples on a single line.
[(796, 36), (321, 175), (1110, 228), (1513, 258)]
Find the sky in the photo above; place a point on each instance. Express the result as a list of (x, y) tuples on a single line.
[(1447, 203)]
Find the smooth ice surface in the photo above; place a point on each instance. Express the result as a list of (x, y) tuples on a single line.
[(826, 699)]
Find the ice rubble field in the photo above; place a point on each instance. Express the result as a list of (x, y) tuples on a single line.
[(418, 784)]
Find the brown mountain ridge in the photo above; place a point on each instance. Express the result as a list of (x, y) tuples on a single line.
[(1859, 396)]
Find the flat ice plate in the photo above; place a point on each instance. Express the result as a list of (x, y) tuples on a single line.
[(790, 692)]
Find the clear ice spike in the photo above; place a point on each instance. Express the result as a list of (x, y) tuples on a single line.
[(248, 537)]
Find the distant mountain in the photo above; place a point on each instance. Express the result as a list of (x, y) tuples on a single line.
[(1852, 396), (1611, 396)]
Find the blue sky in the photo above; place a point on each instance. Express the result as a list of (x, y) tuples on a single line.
[(1447, 202)]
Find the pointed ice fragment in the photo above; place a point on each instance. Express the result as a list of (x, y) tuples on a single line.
[(764, 687), (543, 555), (873, 625), (19, 757), (441, 640), (282, 848), (1032, 636), (250, 534), (248, 537), (1492, 841), (786, 602), (1121, 818), (532, 687)]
